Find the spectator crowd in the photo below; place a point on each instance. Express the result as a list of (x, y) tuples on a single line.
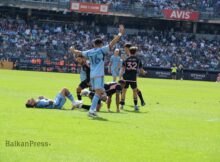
[(22, 41), (203, 5)]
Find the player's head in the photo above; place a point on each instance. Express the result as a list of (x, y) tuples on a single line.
[(30, 103), (122, 83), (98, 42), (116, 52), (133, 50), (127, 46), (80, 59)]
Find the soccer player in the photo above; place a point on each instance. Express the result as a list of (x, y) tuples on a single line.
[(96, 59), (115, 65), (174, 71), (84, 75), (130, 68), (127, 47), (218, 78), (110, 89), (57, 103)]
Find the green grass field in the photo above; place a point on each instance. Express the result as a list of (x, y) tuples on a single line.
[(181, 122)]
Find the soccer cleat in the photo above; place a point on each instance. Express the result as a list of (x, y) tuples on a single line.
[(136, 108), (143, 103), (85, 92), (77, 104), (92, 114)]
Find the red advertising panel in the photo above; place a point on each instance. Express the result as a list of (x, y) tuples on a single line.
[(180, 15), (89, 7)]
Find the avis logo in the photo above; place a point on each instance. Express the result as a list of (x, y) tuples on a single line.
[(180, 15)]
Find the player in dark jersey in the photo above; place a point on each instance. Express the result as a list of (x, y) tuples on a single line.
[(127, 52), (129, 71), (110, 89), (84, 75)]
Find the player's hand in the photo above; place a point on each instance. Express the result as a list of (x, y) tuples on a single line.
[(72, 49), (109, 71), (121, 29)]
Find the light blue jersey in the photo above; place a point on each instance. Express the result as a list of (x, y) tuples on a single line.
[(44, 103), (96, 59), (58, 102), (115, 62), (82, 74)]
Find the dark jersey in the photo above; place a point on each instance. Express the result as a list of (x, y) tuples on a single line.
[(132, 64), (86, 69), (112, 88)]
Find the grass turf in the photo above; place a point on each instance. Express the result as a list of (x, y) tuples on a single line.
[(181, 122)]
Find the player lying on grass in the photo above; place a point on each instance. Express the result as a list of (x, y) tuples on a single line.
[(84, 75), (127, 47), (57, 103), (96, 59), (110, 89), (129, 72), (115, 65)]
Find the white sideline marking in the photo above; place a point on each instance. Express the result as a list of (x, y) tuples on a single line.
[(213, 120)]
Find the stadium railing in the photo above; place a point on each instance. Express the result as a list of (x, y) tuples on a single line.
[(152, 72)]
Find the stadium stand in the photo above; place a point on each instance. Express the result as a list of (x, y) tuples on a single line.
[(24, 41)]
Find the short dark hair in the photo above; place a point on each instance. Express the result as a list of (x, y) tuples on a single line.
[(28, 105), (127, 45), (133, 50), (98, 41)]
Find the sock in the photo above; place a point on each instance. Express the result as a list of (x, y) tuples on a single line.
[(87, 107), (79, 96), (122, 102), (91, 94), (135, 101), (95, 101), (140, 96), (70, 97)]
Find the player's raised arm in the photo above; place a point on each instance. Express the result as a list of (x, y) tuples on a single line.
[(117, 38), (75, 51)]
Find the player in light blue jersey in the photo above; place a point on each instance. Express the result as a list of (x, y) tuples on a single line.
[(96, 59), (115, 65), (57, 103)]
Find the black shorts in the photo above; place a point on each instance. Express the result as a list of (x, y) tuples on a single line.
[(133, 84), (84, 84), (173, 74)]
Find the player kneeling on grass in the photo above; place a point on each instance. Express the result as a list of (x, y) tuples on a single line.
[(110, 90), (57, 103)]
